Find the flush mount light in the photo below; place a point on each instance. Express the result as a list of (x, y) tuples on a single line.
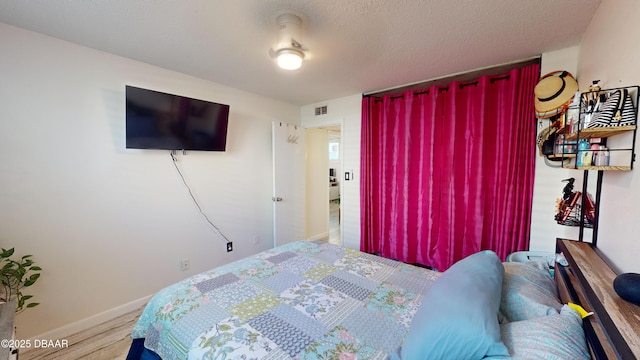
[(289, 59), (289, 52)]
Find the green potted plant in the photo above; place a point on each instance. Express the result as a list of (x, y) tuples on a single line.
[(16, 275)]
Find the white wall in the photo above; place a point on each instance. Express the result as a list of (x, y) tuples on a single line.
[(609, 52), (548, 182), (109, 225)]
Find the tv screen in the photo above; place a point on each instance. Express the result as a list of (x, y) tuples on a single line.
[(156, 120)]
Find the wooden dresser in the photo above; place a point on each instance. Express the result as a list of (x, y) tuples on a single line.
[(613, 332)]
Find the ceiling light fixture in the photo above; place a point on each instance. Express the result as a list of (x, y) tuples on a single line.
[(289, 52), (289, 59)]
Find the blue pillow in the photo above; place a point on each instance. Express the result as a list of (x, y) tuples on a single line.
[(458, 317)]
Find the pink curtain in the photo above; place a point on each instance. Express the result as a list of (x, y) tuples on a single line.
[(448, 171)]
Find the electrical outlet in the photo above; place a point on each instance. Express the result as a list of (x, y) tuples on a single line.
[(256, 240), (229, 246), (185, 264)]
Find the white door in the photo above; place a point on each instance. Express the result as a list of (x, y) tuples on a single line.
[(288, 183)]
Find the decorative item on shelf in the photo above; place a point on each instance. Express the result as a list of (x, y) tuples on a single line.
[(603, 157), (587, 157), (627, 286), (593, 88), (568, 210), (573, 117), (569, 147), (559, 144), (590, 101), (590, 209), (617, 110), (600, 115), (553, 93), (549, 143), (568, 201), (583, 145), (600, 155), (565, 208)]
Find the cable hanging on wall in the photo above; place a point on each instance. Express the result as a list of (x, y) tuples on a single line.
[(193, 198)]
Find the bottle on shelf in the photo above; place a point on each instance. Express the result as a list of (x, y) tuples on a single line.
[(583, 146), (600, 155), (587, 157)]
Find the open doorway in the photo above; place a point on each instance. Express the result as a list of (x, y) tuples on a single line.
[(335, 168), (324, 185)]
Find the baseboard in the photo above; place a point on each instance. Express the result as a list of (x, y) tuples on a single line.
[(66, 331)]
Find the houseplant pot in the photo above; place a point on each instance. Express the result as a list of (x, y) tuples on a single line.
[(7, 315)]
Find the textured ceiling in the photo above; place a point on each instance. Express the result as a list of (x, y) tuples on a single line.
[(354, 46)]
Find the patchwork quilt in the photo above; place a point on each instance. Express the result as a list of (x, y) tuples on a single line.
[(303, 300)]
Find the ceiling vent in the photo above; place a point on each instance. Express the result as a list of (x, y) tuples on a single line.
[(321, 110)]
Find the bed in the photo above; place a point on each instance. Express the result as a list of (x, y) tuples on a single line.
[(314, 300)]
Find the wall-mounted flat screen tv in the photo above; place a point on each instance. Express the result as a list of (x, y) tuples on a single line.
[(157, 120)]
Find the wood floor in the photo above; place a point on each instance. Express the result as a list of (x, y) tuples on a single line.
[(107, 341), (334, 223)]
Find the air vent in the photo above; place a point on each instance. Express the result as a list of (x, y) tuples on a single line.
[(321, 110)]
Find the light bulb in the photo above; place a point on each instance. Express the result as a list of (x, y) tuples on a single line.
[(289, 59)]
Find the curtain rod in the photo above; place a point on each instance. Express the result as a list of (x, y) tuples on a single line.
[(444, 88), (450, 76)]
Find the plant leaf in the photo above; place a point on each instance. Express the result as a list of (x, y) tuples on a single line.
[(7, 253), (14, 275), (31, 280)]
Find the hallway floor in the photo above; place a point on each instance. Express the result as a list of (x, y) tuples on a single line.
[(334, 223)]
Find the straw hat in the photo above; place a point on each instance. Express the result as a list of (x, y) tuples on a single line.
[(553, 93)]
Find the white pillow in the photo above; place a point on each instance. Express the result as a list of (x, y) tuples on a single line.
[(557, 336), (528, 291)]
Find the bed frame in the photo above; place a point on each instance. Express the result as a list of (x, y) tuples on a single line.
[(613, 332)]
